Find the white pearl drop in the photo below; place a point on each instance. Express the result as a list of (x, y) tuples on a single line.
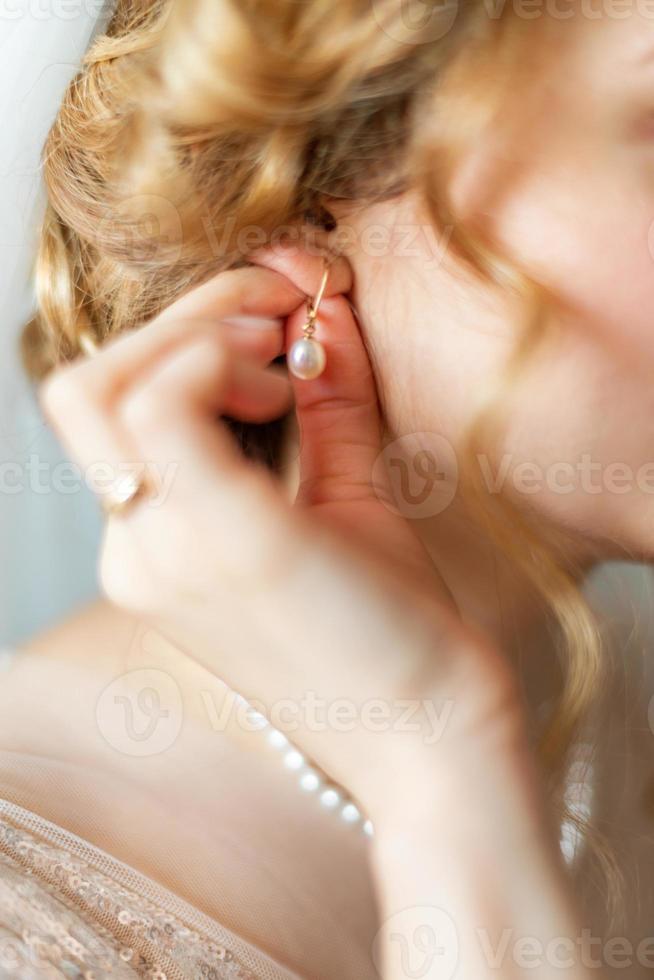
[(277, 739), (310, 781), (306, 358), (330, 798), (350, 813), (368, 828), (294, 760)]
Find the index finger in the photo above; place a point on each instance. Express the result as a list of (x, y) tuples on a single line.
[(249, 291)]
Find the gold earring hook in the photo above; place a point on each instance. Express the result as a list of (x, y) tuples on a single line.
[(306, 357), (313, 306)]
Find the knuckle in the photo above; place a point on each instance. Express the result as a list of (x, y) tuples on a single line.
[(213, 350), (123, 576), (64, 392), (143, 409), (327, 490), (114, 588), (133, 599)]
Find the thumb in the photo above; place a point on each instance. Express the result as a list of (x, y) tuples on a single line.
[(338, 412), (341, 465)]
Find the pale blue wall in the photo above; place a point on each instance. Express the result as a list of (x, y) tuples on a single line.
[(48, 539)]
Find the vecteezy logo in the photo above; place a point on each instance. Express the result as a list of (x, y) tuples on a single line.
[(148, 224), (421, 471), (140, 713), (416, 21), (418, 943)]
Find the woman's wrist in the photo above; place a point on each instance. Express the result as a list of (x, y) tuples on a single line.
[(464, 783), (464, 850), (465, 789), (461, 743)]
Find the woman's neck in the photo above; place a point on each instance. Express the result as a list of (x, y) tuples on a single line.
[(496, 597)]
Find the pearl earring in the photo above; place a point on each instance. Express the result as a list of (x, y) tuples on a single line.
[(306, 358)]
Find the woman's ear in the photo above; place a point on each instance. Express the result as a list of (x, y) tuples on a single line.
[(303, 263)]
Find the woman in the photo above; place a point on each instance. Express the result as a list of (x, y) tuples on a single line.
[(398, 589)]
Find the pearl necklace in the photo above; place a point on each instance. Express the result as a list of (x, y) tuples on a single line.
[(580, 778), (310, 777)]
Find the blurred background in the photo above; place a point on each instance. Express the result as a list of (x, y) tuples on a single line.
[(49, 524)]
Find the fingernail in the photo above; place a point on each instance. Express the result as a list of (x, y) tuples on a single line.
[(254, 322)]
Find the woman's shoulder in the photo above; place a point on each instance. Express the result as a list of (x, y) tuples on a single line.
[(110, 732), (98, 627), (77, 802)]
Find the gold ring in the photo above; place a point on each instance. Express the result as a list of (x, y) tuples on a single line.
[(317, 299), (125, 493), (128, 489)]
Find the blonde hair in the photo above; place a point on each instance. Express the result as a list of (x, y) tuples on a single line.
[(207, 118)]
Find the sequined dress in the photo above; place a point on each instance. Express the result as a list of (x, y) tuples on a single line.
[(68, 910)]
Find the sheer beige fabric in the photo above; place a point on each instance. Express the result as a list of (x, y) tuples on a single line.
[(68, 910)]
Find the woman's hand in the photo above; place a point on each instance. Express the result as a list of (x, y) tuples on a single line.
[(330, 598)]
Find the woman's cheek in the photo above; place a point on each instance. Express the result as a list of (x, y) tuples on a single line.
[(610, 288), (591, 243), (579, 445)]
